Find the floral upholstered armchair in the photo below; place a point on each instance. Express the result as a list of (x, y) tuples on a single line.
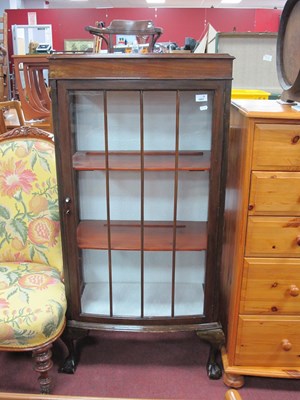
[(32, 292)]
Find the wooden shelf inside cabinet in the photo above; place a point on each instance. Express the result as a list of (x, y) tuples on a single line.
[(158, 236), (131, 160)]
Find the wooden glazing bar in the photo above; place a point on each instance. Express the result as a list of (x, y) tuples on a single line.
[(108, 205), (142, 199), (175, 203)]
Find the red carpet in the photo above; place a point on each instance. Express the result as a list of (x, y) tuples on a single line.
[(132, 365)]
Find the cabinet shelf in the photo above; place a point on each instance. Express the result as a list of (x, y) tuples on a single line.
[(131, 160), (158, 236)]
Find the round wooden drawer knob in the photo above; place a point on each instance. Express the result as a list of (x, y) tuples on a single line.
[(295, 139), (294, 290), (286, 345), (298, 240)]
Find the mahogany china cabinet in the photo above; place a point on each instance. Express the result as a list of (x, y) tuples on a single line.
[(260, 278), (141, 152)]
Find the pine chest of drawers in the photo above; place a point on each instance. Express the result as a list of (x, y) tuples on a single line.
[(260, 278)]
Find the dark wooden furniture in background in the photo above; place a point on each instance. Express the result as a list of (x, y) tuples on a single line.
[(4, 69), (141, 150), (260, 273), (12, 117), (288, 53), (12, 114), (31, 75), (2, 123), (144, 31)]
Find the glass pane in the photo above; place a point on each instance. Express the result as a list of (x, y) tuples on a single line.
[(95, 297), (159, 196), (92, 195), (195, 120), (159, 120), (124, 127), (193, 190), (123, 119), (126, 284), (158, 284), (189, 283), (87, 119)]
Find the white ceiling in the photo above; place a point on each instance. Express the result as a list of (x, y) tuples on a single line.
[(142, 3)]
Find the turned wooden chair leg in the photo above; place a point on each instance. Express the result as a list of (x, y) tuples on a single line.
[(43, 364)]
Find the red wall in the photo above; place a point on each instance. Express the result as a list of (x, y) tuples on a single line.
[(267, 20), (178, 23)]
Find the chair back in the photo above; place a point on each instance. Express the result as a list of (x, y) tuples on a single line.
[(2, 123), (144, 30), (29, 209), (12, 114)]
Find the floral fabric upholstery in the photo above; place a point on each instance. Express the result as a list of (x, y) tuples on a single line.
[(32, 304), (29, 214), (32, 294)]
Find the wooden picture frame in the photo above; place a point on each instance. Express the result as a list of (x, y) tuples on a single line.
[(78, 45)]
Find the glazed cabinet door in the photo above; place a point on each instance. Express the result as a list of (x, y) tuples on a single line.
[(141, 175)]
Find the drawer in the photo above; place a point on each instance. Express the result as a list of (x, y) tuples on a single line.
[(276, 147), (268, 341), (273, 236), (275, 193), (271, 286)]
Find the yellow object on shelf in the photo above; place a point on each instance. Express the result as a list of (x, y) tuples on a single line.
[(249, 94)]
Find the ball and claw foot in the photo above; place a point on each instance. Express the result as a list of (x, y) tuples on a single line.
[(70, 338), (69, 366), (215, 337), (214, 371)]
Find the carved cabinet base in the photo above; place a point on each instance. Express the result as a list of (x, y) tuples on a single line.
[(210, 333)]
